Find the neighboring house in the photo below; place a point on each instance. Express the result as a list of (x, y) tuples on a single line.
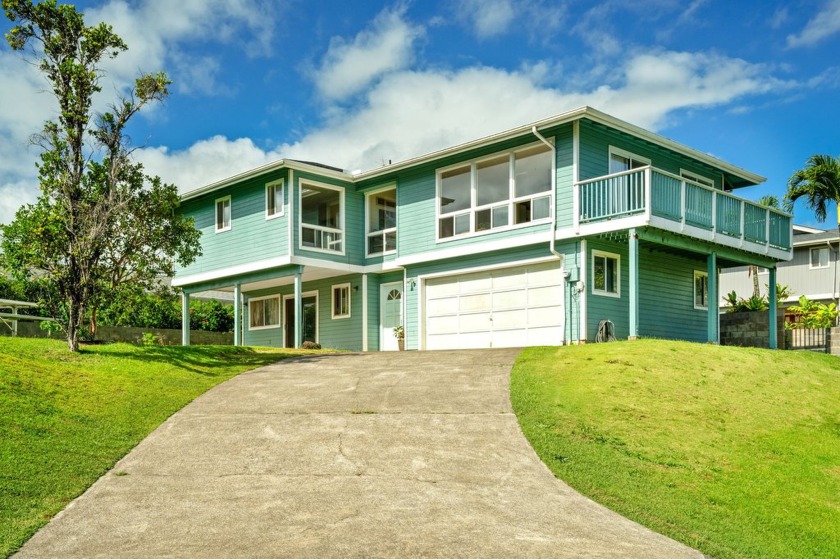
[(531, 236), (811, 272)]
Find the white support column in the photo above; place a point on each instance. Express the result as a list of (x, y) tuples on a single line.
[(237, 314), (364, 312), (298, 307), (185, 318), (584, 277)]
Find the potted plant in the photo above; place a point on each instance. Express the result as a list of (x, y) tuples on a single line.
[(399, 334)]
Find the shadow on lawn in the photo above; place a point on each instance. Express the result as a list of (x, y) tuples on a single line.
[(201, 359)]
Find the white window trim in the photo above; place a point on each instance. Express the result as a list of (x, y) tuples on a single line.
[(695, 177), (624, 153), (811, 258), (332, 300), (392, 186), (601, 292), (698, 273), (216, 214), (511, 201), (341, 209), (304, 295), (279, 313), (281, 184)]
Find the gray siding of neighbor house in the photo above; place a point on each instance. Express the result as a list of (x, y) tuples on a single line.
[(814, 283)]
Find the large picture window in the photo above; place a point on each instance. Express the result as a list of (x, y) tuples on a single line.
[(264, 313), (504, 190), (321, 217), (606, 274)]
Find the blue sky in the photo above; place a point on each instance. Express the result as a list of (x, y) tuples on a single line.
[(355, 84)]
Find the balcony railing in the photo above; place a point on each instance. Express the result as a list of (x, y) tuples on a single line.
[(321, 238), (689, 207)]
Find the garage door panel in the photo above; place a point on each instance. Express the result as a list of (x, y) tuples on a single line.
[(479, 322), (510, 307), (510, 299), (442, 325), (445, 305), (511, 319), (544, 295), (471, 303)]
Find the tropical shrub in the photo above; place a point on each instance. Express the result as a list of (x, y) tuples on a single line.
[(813, 314)]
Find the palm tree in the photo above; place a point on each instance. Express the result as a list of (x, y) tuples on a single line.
[(819, 183)]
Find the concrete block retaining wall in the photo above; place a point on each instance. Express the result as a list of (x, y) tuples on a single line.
[(750, 329)]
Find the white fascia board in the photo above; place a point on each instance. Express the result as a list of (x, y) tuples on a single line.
[(267, 168), (327, 264), (815, 243), (467, 250), (231, 271)]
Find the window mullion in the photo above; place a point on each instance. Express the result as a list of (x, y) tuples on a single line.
[(473, 194)]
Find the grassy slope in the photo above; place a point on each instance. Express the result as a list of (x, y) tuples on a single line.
[(735, 452), (65, 419)]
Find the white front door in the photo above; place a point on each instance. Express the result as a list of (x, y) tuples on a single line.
[(390, 302)]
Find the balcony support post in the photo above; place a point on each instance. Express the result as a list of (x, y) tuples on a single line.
[(298, 326), (634, 284), (772, 307), (185, 318), (647, 194), (237, 314), (712, 296)]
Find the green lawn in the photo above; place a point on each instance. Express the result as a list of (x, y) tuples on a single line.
[(735, 452), (65, 419)]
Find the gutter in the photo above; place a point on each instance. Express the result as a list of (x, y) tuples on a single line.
[(553, 191)]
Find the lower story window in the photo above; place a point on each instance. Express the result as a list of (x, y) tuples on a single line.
[(341, 301), (605, 274), (701, 290), (264, 313)]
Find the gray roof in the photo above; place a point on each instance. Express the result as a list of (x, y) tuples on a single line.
[(805, 239)]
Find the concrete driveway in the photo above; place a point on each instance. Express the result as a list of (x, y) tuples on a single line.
[(356, 455)]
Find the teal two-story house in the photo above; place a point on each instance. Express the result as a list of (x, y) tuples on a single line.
[(532, 236)]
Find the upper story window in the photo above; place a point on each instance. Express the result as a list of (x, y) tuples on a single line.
[(621, 160), (223, 214), (381, 208), (697, 178), (819, 257), (513, 188), (606, 270), (321, 217), (701, 290), (274, 199)]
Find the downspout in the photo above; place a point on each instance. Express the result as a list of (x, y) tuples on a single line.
[(553, 191), (834, 284)]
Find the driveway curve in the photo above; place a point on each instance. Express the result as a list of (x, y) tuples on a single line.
[(352, 455)]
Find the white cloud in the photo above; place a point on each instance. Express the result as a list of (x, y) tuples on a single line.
[(156, 32), (490, 18), (349, 67), (409, 113), (822, 25), (487, 17)]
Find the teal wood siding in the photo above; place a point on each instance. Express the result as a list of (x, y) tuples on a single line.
[(666, 297), (251, 237), (416, 213), (354, 221), (564, 142), (603, 307), (498, 258), (595, 142), (341, 333)]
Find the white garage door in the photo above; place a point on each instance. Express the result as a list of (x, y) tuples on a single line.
[(511, 307)]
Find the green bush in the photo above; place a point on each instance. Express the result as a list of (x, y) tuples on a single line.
[(814, 314)]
